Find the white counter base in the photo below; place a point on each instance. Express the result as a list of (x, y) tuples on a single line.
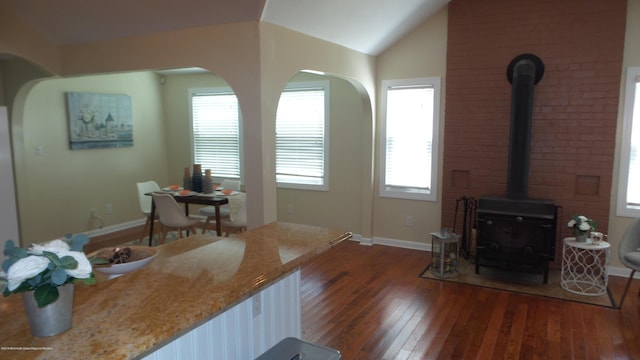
[(239, 333)]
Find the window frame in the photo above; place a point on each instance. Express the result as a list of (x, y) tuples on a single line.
[(632, 78), (220, 90), (325, 85), (411, 193)]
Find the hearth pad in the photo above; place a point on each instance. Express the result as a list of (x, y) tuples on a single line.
[(518, 282)]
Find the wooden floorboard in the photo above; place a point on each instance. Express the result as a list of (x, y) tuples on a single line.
[(370, 303)]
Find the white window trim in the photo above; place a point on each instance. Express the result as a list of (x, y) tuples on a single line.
[(398, 193), (633, 76), (218, 90), (325, 84)]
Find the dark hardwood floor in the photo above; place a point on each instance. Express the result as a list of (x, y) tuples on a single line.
[(370, 303), (116, 238)]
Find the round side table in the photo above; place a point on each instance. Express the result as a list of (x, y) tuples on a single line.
[(584, 267)]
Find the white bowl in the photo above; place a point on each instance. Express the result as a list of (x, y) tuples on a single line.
[(144, 253)]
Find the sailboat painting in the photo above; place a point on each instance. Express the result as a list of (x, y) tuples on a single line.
[(99, 120)]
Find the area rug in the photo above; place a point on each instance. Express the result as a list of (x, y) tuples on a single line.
[(531, 284)]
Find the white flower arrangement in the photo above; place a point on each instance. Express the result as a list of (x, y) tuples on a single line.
[(582, 223), (42, 268)]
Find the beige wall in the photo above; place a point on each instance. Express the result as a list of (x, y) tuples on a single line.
[(175, 95), (161, 131), (256, 59), (341, 206), (57, 189), (284, 53), (347, 120), (423, 53), (230, 51)]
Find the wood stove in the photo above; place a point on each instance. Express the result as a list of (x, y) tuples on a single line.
[(516, 233)]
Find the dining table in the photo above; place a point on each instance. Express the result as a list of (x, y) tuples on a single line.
[(214, 199)]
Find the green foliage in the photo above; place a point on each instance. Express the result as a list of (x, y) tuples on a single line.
[(45, 284), (578, 221), (77, 243), (88, 281), (13, 254), (98, 261), (46, 294)]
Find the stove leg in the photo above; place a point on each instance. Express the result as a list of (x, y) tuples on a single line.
[(546, 273)]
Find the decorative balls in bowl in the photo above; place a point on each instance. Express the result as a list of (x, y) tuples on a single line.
[(125, 259)]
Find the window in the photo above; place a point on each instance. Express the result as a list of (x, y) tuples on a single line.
[(215, 121), (629, 174), (409, 134), (302, 136)]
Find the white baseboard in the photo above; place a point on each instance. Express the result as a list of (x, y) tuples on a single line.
[(622, 272), (402, 243), (122, 226), (114, 228), (391, 242), (362, 240)]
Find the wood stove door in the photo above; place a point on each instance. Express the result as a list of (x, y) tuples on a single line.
[(514, 241)]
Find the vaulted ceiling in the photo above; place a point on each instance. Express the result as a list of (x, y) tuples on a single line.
[(367, 26)]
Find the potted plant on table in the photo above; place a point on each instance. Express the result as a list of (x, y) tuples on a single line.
[(44, 275), (581, 226)]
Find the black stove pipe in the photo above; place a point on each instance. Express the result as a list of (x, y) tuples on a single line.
[(523, 72)]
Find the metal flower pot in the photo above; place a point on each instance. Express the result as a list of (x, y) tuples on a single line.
[(52, 319)]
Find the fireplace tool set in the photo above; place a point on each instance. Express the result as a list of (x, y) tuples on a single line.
[(467, 238)]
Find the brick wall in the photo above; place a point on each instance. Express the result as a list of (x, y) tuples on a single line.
[(575, 104)]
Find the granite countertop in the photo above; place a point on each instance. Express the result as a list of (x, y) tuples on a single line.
[(190, 281)]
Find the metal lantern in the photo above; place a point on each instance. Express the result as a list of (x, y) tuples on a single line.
[(445, 249)]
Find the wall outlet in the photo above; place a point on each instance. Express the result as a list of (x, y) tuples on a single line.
[(409, 221), (290, 209), (108, 209), (95, 221)]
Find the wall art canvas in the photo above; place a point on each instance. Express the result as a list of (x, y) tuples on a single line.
[(99, 120)]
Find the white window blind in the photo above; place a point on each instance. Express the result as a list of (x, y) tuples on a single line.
[(301, 136), (409, 124), (216, 132)]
